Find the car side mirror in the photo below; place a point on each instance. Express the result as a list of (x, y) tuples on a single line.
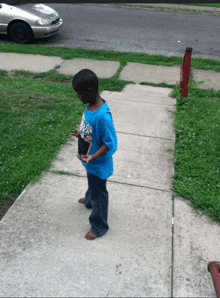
[(0, 5)]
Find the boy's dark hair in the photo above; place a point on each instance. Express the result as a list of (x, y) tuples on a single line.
[(84, 80)]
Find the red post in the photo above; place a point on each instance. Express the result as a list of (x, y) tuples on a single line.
[(214, 269), (185, 72)]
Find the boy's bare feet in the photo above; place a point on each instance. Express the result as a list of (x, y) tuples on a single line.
[(82, 201), (90, 236)]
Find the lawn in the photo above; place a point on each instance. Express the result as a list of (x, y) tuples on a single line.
[(38, 111), (197, 150), (203, 4)]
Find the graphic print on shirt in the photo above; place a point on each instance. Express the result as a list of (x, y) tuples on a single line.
[(85, 128)]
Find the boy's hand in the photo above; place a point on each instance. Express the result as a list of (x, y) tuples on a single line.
[(76, 132), (104, 149), (85, 158)]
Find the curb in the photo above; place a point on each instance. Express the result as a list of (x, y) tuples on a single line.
[(178, 8)]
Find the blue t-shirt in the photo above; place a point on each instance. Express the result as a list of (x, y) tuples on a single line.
[(97, 127)]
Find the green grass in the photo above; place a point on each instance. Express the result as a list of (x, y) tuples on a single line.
[(66, 53), (203, 4), (123, 58), (197, 149), (37, 112)]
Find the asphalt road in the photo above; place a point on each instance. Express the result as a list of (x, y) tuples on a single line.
[(92, 26)]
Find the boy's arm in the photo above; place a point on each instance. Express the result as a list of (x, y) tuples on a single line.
[(99, 153), (104, 149)]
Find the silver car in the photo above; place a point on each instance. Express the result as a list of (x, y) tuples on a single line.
[(25, 21)]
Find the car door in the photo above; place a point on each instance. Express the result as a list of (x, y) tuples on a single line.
[(6, 13)]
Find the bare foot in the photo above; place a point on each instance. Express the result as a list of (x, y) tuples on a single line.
[(81, 200), (90, 236)]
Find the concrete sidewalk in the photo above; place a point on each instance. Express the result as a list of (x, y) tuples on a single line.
[(134, 72), (156, 246)]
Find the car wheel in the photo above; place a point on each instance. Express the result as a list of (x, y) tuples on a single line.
[(21, 33)]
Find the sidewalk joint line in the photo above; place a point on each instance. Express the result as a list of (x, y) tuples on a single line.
[(57, 172), (145, 102), (136, 185), (109, 181), (172, 247), (144, 136)]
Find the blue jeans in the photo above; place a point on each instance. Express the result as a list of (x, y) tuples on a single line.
[(97, 198)]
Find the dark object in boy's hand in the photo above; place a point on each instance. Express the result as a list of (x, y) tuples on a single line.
[(83, 146)]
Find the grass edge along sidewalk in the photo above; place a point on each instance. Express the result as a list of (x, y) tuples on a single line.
[(67, 53), (193, 179)]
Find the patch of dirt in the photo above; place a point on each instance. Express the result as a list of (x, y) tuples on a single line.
[(7, 205)]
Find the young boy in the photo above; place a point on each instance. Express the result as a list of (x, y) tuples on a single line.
[(97, 127)]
